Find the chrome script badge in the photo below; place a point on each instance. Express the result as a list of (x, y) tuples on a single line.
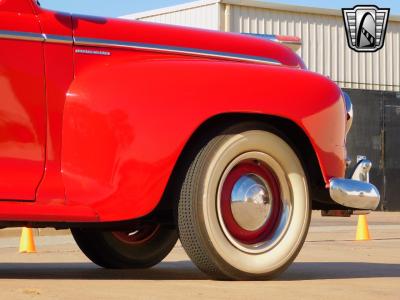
[(366, 27)]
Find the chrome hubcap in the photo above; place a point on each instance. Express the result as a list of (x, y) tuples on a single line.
[(251, 202), (254, 202)]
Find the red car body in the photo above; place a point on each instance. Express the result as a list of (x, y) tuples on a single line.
[(96, 112)]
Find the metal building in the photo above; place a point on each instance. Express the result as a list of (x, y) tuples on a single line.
[(324, 49)]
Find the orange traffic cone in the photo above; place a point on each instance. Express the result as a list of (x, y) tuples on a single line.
[(27, 243), (362, 229)]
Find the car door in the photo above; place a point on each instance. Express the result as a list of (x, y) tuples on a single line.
[(22, 101)]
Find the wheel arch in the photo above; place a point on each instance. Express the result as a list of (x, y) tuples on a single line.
[(285, 128)]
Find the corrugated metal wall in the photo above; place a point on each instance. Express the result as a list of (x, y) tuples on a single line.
[(325, 48), (202, 16)]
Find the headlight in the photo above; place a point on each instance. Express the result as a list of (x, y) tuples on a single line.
[(349, 110)]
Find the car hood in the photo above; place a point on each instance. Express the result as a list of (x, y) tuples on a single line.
[(119, 32)]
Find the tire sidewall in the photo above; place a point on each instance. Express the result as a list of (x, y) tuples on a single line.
[(225, 253)]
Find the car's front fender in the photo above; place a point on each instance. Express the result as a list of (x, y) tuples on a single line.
[(126, 123)]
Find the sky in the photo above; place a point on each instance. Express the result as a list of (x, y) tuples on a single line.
[(115, 8)]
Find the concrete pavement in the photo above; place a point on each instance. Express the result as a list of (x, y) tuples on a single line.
[(330, 266)]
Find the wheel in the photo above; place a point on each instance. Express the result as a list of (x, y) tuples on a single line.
[(143, 246), (244, 208)]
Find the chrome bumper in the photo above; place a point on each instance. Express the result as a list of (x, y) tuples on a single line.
[(356, 192)]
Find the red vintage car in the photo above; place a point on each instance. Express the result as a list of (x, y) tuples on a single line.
[(132, 134)]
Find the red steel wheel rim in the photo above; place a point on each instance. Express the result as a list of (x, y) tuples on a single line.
[(266, 182), (138, 234)]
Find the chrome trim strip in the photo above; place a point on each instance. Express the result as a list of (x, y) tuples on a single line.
[(37, 37), (58, 39), (172, 49), (24, 36)]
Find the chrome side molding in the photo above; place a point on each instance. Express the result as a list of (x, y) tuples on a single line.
[(23, 36), (92, 42), (356, 192), (35, 37)]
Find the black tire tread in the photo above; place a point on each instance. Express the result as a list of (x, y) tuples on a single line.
[(189, 236)]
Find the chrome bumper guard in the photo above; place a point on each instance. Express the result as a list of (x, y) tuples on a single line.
[(356, 192)]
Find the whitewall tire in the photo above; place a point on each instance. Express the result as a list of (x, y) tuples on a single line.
[(244, 207)]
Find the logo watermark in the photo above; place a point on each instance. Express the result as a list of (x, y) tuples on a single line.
[(366, 27)]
